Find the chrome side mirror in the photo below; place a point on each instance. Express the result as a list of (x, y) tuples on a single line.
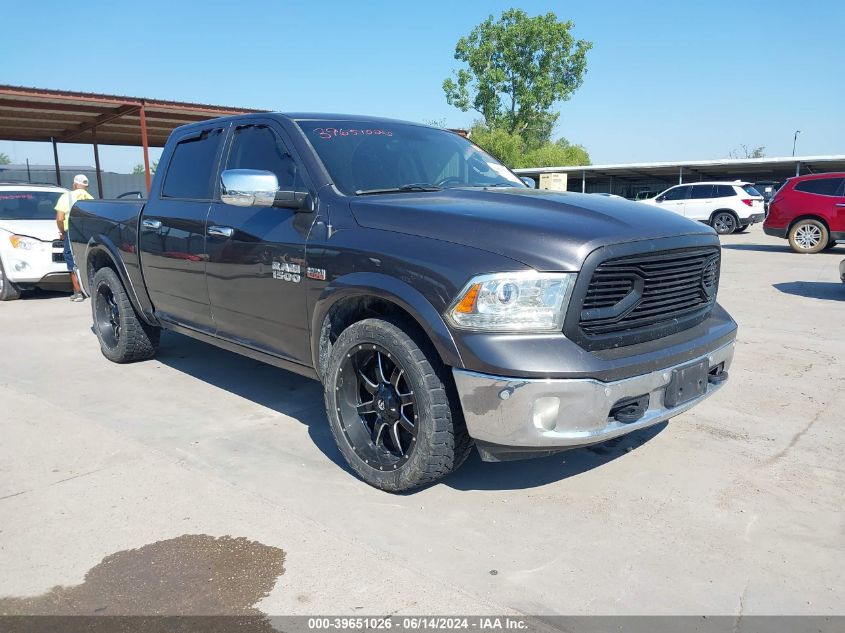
[(248, 187), (530, 182)]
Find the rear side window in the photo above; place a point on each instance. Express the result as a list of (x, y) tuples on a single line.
[(258, 147), (700, 192), (723, 191), (193, 167), (821, 186), (751, 191), (678, 193)]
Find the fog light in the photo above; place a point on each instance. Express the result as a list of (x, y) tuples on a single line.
[(545, 412), (19, 266)]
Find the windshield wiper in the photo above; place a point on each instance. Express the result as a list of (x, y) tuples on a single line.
[(501, 183), (417, 186)]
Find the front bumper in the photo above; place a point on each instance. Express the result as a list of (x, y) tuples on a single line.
[(774, 232), (34, 266), (503, 414)]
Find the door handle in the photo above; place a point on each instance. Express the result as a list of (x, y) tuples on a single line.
[(151, 225), (840, 204), (221, 231)]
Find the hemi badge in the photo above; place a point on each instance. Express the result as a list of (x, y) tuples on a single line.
[(316, 273)]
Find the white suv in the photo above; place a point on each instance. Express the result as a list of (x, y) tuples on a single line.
[(31, 251), (726, 206)]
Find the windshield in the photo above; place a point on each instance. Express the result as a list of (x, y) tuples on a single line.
[(369, 157), (28, 205)]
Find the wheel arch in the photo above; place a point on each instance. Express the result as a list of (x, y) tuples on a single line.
[(358, 296), (100, 253), (807, 216), (725, 210)]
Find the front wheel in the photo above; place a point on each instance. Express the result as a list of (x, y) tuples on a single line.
[(123, 336), (808, 236), (8, 290), (724, 222), (389, 407)]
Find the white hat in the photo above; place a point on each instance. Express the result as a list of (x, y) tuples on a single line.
[(80, 179)]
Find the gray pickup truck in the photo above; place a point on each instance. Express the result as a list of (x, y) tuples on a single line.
[(441, 302)]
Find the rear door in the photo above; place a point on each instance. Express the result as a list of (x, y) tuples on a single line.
[(827, 199), (172, 231), (256, 255), (674, 199), (699, 204)]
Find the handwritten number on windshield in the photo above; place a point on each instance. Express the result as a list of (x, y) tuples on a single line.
[(328, 133)]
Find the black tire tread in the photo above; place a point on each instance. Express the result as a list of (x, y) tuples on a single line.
[(138, 340), (449, 443)]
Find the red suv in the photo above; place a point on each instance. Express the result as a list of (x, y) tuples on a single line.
[(809, 211)]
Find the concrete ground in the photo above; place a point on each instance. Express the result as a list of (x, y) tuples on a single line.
[(204, 482)]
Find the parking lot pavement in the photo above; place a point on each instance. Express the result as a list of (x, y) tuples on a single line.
[(138, 472)]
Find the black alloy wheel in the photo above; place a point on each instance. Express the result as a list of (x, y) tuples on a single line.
[(377, 408), (107, 316)]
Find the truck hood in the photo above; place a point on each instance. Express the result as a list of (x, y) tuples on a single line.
[(44, 230), (546, 230)]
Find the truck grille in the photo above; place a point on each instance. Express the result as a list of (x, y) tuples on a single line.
[(648, 290)]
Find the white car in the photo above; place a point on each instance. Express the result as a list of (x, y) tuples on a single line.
[(726, 206), (31, 251)]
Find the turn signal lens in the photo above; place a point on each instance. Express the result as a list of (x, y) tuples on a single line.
[(467, 304)]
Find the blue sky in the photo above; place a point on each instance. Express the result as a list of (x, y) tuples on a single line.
[(665, 81)]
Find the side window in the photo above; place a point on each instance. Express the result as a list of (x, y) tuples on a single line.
[(700, 192), (821, 186), (193, 167), (678, 193), (723, 191), (258, 147)]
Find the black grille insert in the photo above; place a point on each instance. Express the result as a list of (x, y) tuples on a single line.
[(644, 291)]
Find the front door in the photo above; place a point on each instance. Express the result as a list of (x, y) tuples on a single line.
[(256, 267), (172, 231), (674, 199)]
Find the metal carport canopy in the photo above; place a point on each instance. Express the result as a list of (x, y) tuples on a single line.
[(60, 116)]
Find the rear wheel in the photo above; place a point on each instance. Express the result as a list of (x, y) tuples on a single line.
[(808, 236), (123, 336), (724, 222), (389, 408), (8, 290)]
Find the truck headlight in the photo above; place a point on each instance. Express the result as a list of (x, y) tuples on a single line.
[(513, 302), (25, 243)]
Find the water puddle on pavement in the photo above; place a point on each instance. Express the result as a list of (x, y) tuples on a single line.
[(193, 574)]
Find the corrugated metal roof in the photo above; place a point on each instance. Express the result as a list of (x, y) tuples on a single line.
[(37, 114)]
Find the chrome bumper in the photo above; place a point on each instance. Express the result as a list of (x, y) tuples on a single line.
[(562, 413)]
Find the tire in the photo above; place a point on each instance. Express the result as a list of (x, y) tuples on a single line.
[(741, 228), (724, 222), (8, 290), (123, 336), (411, 433), (808, 236)]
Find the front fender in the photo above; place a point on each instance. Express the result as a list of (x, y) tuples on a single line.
[(101, 246), (368, 284)]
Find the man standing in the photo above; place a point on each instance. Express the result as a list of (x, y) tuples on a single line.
[(63, 207)]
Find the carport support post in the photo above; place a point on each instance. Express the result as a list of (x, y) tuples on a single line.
[(797, 168), (97, 162), (143, 117), (583, 182), (680, 175), (56, 161)]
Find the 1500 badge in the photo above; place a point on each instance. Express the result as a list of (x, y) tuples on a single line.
[(287, 271)]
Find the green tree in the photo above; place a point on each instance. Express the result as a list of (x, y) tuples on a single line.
[(518, 67), (515, 151), (138, 170), (747, 152), (4, 159)]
